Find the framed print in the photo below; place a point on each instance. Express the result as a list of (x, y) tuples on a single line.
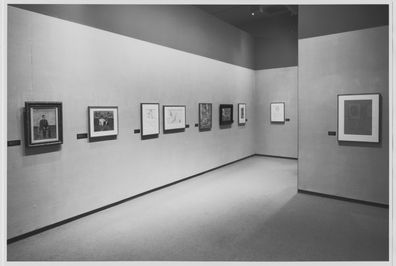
[(241, 114), (174, 118), (205, 116), (359, 117), (149, 119), (226, 114), (278, 112), (43, 123), (103, 122)]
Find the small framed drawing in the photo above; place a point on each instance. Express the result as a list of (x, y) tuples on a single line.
[(103, 122), (149, 119), (359, 117), (226, 114), (205, 116), (43, 123), (278, 112), (241, 114), (174, 118)]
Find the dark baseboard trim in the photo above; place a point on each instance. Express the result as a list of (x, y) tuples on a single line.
[(376, 204), (275, 156), (79, 216)]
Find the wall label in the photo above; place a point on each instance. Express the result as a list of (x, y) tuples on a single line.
[(331, 133), (136, 131), (82, 135), (13, 143)]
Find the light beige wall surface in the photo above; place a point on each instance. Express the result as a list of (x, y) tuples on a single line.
[(276, 85), (54, 60), (345, 63)]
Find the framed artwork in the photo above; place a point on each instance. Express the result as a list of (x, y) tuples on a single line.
[(226, 114), (205, 116), (43, 123), (174, 118), (359, 117), (241, 114), (103, 122), (277, 112), (149, 119)]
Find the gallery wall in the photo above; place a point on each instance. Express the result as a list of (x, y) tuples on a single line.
[(50, 59), (350, 62), (276, 85)]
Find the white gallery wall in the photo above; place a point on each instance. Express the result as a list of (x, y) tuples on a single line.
[(351, 62), (55, 60), (276, 85)]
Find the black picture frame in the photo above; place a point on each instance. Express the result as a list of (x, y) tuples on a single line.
[(43, 123), (177, 126), (143, 133), (223, 119), (241, 116), (205, 121), (107, 130), (274, 119), (377, 119)]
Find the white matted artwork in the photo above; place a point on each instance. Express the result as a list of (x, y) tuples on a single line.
[(359, 117), (149, 117), (278, 112), (241, 113), (174, 118)]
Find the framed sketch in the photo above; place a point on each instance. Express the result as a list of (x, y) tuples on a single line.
[(43, 123), (174, 118), (205, 116), (103, 122), (277, 112), (226, 114), (359, 117), (149, 119), (241, 114)]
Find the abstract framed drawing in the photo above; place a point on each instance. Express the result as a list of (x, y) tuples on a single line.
[(43, 123), (241, 114), (226, 112), (358, 117), (174, 118), (277, 112), (149, 119), (103, 122), (205, 116)]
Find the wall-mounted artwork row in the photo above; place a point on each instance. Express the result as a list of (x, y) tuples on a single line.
[(226, 114), (359, 117), (241, 114), (277, 112), (149, 119), (103, 122), (43, 123), (174, 118), (205, 116)]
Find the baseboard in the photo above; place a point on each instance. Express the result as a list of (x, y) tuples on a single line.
[(376, 204), (82, 215), (275, 156)]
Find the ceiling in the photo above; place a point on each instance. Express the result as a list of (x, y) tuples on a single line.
[(240, 15)]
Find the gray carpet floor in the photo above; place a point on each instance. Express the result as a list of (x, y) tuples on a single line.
[(247, 211)]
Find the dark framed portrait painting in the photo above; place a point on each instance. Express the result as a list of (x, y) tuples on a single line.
[(205, 116), (103, 122), (359, 117), (43, 123), (226, 114)]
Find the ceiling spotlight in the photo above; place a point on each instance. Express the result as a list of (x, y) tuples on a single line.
[(256, 10), (252, 13)]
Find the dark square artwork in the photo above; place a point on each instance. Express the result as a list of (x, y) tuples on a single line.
[(103, 120), (205, 116), (358, 117), (226, 114)]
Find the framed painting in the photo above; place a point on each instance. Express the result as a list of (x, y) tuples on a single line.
[(241, 114), (277, 112), (43, 123), (359, 117), (103, 122), (226, 114), (149, 119), (174, 118), (205, 116)]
